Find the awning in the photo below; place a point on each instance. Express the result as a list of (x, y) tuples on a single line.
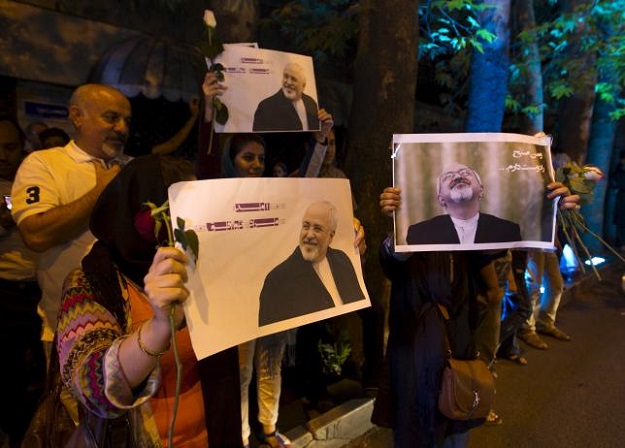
[(152, 66)]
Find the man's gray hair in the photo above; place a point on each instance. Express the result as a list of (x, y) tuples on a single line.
[(333, 213)]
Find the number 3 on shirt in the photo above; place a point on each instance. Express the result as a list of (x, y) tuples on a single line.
[(33, 195)]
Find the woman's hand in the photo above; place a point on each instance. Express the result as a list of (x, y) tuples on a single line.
[(325, 126), (390, 200), (164, 284), (211, 87), (359, 236), (567, 200)]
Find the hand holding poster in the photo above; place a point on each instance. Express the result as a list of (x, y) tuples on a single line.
[(274, 254), (480, 191)]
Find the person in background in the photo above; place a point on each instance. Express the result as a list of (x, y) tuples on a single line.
[(21, 378), (323, 165), (170, 145), (545, 282), (279, 169), (33, 130), (55, 190), (328, 167), (545, 286), (122, 365), (244, 156), (53, 137)]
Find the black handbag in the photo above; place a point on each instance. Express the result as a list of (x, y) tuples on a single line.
[(51, 425), (97, 432)]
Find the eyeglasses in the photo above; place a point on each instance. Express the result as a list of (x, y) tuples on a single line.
[(449, 175)]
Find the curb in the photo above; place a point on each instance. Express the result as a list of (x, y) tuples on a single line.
[(335, 428)]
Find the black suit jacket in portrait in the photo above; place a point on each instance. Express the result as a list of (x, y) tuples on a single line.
[(441, 230), (277, 113), (293, 288)]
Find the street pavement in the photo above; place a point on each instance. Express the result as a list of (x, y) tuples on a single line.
[(569, 396)]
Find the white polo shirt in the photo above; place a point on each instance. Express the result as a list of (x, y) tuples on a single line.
[(47, 179)]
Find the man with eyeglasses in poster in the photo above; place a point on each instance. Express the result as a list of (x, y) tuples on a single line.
[(460, 191)]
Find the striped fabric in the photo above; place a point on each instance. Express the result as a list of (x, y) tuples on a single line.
[(89, 338)]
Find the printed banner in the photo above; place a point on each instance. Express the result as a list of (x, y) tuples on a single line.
[(473, 192), (268, 91), (275, 254)]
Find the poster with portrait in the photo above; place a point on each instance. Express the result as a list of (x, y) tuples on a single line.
[(473, 192), (268, 91), (274, 254)]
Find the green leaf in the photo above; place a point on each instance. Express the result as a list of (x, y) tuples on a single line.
[(193, 243), (221, 111), (181, 238), (188, 239)]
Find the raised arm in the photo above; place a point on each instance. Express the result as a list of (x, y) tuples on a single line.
[(64, 222), (179, 137), (211, 88), (164, 286)]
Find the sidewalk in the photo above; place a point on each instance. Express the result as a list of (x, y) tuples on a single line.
[(337, 427)]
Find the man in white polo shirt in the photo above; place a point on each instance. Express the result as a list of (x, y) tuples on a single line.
[(55, 190)]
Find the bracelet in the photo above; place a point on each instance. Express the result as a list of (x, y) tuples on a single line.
[(146, 350)]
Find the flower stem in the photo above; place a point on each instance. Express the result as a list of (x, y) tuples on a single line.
[(172, 423), (587, 252), (210, 139)]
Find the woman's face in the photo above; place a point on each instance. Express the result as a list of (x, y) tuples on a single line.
[(250, 160), (279, 171)]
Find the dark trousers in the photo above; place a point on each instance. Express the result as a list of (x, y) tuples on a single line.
[(23, 368), (517, 307)]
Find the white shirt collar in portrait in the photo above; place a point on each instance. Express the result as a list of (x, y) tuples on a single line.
[(466, 228), (301, 113), (325, 274)]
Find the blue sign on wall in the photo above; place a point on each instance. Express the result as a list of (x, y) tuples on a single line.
[(45, 110)]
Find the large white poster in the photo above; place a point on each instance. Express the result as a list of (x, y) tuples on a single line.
[(268, 91), (275, 253), (473, 192)]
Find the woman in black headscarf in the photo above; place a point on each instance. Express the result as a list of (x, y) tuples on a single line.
[(114, 332)]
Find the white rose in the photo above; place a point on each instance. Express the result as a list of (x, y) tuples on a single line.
[(592, 173), (209, 18)]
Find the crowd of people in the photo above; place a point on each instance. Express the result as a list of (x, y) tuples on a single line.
[(78, 274)]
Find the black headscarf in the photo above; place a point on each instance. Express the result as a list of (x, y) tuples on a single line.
[(119, 245)]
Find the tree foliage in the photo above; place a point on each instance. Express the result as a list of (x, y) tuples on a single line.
[(447, 28), (596, 29), (449, 31), (326, 30)]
